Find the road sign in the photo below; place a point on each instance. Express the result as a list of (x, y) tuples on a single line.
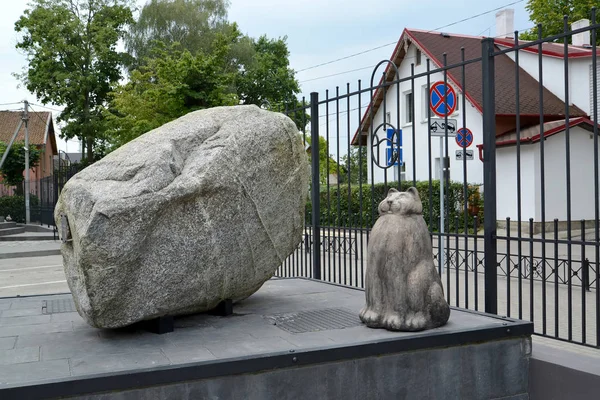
[(393, 158), (442, 99), (438, 127), (464, 137), (393, 142), (390, 136), (468, 153)]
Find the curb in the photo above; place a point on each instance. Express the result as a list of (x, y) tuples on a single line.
[(23, 254)]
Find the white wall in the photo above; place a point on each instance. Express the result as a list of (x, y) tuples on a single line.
[(553, 72), (506, 183), (473, 121), (582, 176)]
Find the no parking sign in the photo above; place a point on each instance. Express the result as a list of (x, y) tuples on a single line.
[(442, 99)]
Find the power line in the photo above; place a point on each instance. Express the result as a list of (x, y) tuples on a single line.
[(37, 114), (478, 15), (405, 58), (394, 42), (48, 108), (346, 57), (10, 104), (339, 73)]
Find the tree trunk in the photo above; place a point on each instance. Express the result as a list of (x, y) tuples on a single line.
[(90, 149)]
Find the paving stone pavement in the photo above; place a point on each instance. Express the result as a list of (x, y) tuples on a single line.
[(36, 347)]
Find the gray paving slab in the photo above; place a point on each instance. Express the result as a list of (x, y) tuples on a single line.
[(102, 363), (32, 329), (7, 343), (69, 347), (19, 356), (23, 312), (24, 320), (38, 371)]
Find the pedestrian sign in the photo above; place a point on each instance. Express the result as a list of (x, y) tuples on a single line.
[(464, 137), (442, 99), (394, 141), (393, 158)]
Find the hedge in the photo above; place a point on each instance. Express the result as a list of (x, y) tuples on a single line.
[(15, 207), (349, 211)]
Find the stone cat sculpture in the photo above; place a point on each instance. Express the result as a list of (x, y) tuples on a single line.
[(402, 287)]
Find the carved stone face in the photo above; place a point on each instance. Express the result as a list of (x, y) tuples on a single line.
[(401, 203)]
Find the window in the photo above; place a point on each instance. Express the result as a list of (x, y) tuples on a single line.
[(418, 62), (425, 108), (408, 108)]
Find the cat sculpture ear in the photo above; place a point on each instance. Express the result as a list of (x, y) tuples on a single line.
[(392, 190), (414, 192)]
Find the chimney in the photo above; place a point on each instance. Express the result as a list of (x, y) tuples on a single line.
[(505, 23), (581, 39)]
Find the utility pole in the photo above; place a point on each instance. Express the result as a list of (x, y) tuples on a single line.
[(26, 120)]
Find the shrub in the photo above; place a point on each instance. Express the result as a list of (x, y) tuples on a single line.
[(15, 207), (356, 206)]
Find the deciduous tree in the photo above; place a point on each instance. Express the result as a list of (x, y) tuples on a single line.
[(550, 14), (14, 165), (72, 58)]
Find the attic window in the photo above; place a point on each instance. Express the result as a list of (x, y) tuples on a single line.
[(418, 57)]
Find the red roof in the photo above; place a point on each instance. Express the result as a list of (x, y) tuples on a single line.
[(41, 128), (550, 49), (533, 134), (434, 45)]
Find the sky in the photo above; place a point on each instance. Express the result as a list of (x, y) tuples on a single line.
[(316, 31)]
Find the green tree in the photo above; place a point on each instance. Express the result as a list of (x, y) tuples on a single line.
[(14, 165), (72, 58), (356, 163), (173, 83), (550, 14), (261, 66), (267, 77), (191, 23), (325, 168)]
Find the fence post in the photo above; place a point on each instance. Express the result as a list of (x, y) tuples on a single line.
[(489, 177), (315, 187)]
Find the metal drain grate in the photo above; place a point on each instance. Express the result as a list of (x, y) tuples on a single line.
[(58, 306), (315, 320)]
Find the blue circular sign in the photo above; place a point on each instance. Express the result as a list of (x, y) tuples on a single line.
[(464, 137), (442, 99)]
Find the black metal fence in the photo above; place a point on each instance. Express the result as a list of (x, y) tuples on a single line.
[(531, 109), (44, 192)]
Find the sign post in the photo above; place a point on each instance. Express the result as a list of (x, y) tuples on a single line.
[(442, 101)]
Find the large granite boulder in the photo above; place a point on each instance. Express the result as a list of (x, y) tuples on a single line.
[(202, 209)]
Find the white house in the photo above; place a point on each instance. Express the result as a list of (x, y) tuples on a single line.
[(413, 50)]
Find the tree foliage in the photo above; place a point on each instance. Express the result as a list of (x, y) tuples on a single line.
[(72, 58), (173, 83), (327, 164), (191, 23), (193, 58), (550, 13), (356, 164), (14, 165), (267, 77)]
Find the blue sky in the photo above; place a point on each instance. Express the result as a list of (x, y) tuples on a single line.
[(317, 31)]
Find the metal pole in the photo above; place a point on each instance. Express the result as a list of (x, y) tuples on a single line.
[(489, 178), (26, 120), (315, 189), (10, 143), (442, 222)]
